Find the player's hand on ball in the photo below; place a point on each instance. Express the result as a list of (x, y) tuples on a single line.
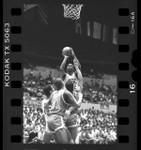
[(67, 51), (72, 53), (65, 56)]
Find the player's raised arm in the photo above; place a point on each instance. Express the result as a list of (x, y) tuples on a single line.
[(76, 60), (77, 66), (79, 74), (63, 65), (78, 71), (69, 99), (66, 52)]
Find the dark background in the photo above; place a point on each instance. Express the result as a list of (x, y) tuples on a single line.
[(48, 40), (129, 112)]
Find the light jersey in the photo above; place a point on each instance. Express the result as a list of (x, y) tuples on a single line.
[(74, 80), (58, 105)]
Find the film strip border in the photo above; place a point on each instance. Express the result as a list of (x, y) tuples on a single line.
[(13, 95), (127, 86)]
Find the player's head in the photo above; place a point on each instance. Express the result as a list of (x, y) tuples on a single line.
[(69, 86), (48, 90), (58, 83), (70, 68)]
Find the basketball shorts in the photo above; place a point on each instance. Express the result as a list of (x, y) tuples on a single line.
[(72, 121), (55, 122), (46, 128), (47, 137)]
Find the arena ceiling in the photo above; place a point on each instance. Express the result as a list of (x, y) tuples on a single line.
[(46, 31)]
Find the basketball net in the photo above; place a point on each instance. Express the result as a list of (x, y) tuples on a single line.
[(72, 11)]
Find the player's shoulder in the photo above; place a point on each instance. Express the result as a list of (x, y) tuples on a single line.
[(53, 92), (45, 99), (68, 93), (64, 76)]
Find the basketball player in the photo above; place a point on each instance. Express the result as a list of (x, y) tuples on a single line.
[(60, 100), (48, 135), (72, 71), (72, 119), (73, 74)]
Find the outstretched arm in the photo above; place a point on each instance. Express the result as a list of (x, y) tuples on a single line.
[(75, 59), (63, 65), (78, 72)]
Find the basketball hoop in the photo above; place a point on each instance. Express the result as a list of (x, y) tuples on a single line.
[(72, 11)]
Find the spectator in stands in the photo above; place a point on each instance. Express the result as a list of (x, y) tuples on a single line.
[(95, 126)]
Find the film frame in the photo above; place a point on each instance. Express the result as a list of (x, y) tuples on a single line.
[(126, 82)]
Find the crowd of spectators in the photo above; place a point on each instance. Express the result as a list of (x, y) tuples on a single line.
[(91, 93), (33, 85), (33, 123), (95, 126), (99, 94)]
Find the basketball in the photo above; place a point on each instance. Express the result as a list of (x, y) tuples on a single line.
[(67, 51)]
